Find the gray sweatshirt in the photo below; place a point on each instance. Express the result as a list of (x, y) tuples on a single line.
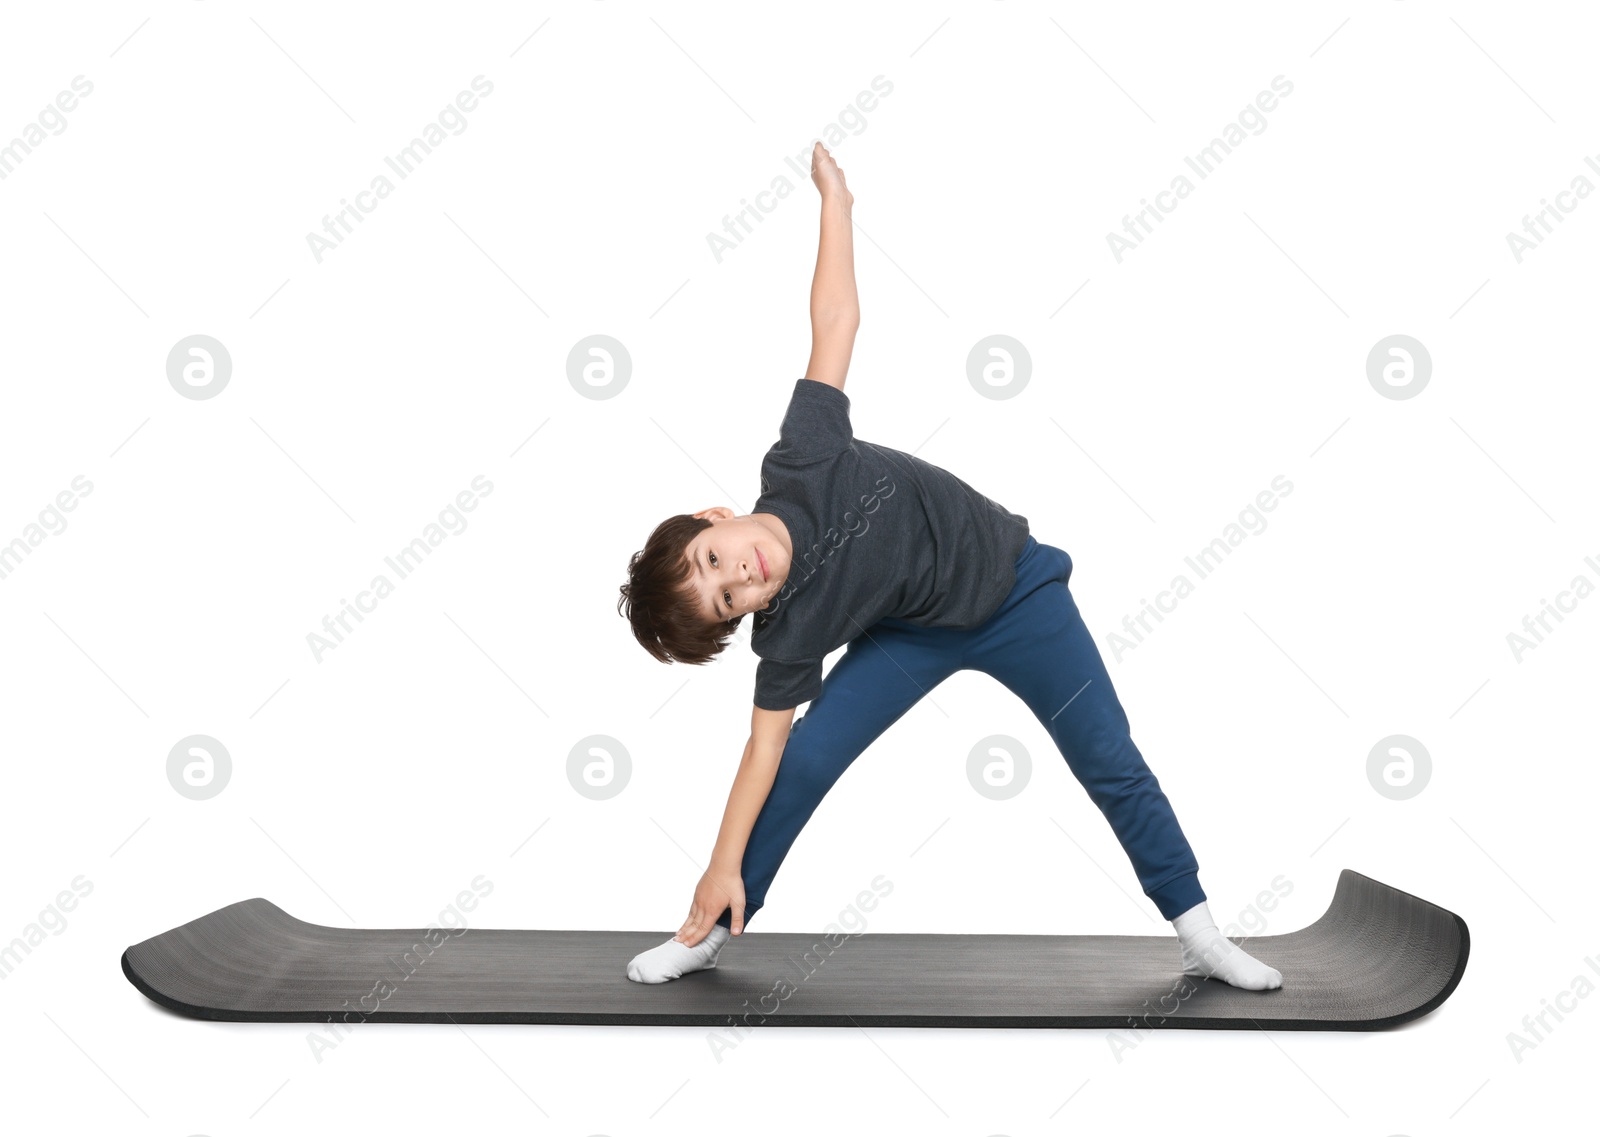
[(877, 533)]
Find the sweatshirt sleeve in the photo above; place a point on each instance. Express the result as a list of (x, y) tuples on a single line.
[(816, 424), (781, 684)]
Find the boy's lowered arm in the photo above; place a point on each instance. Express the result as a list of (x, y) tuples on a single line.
[(721, 886), (769, 734), (835, 310)]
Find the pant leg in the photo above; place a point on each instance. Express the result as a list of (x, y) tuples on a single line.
[(1037, 645), (882, 674)]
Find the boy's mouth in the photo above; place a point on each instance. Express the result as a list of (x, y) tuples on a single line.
[(763, 561)]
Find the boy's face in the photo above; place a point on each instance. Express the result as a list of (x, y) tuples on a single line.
[(739, 565)]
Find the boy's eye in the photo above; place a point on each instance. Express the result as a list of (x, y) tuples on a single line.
[(726, 599)]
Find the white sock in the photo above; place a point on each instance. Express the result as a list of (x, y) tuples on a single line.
[(1207, 952), (672, 959)]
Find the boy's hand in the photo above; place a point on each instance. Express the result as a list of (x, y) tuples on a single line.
[(717, 890), (829, 178)]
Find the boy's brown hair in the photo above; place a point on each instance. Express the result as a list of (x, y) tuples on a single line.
[(660, 604)]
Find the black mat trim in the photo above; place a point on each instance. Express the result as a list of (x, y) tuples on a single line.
[(1377, 958)]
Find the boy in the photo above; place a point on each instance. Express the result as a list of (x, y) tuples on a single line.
[(922, 576)]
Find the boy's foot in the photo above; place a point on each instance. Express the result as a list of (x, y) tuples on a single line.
[(672, 959), (1208, 953)]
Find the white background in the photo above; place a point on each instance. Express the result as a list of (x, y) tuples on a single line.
[(369, 389)]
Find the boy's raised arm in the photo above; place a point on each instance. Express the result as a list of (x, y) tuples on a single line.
[(835, 311)]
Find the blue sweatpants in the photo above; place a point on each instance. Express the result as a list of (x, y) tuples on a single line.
[(1037, 645)]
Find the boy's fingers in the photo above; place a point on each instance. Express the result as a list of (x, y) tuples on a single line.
[(689, 922)]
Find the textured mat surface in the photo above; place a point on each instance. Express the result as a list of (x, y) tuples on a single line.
[(1378, 957)]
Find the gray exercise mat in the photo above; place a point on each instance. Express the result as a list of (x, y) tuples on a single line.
[(1378, 957)]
